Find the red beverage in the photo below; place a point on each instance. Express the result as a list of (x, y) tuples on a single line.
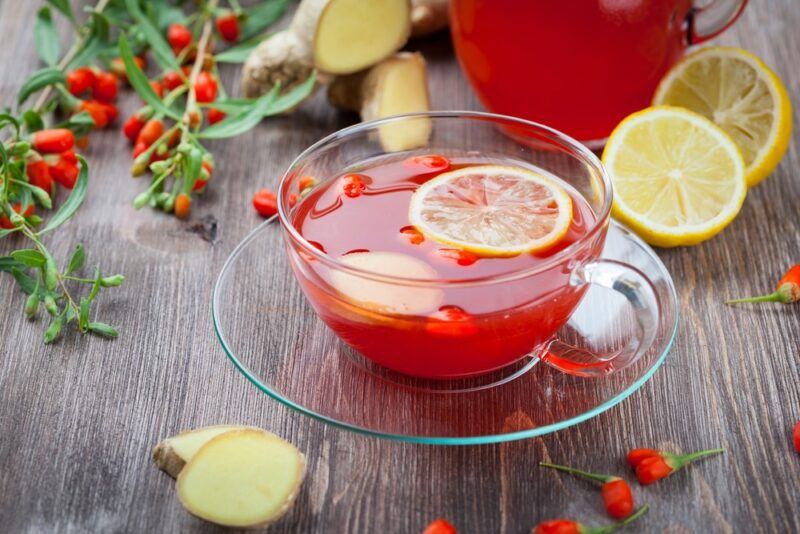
[(443, 324), (579, 66)]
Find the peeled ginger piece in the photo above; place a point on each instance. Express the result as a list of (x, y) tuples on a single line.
[(242, 478), (172, 454)]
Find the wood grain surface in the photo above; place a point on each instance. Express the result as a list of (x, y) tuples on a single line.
[(78, 419)]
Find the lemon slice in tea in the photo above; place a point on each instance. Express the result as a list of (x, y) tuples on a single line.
[(492, 210)]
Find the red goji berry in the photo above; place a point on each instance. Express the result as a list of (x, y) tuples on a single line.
[(5, 222), (228, 26), (97, 110), (428, 163), (462, 257), (150, 132), (616, 493), (179, 36), (652, 468), (173, 80), (138, 148), (451, 321), (796, 437), (132, 127), (440, 526), (353, 185), (105, 87), (53, 141), (117, 66), (80, 80), (183, 205), (214, 115), (265, 203), (157, 87), (413, 235), (786, 292), (205, 88), (567, 526), (64, 168), (39, 175)]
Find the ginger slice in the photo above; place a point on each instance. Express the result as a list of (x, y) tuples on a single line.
[(333, 36), (396, 85), (242, 478), (428, 16), (172, 454)]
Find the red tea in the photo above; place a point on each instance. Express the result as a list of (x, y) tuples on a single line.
[(449, 324)]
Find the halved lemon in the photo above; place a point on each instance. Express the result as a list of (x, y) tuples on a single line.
[(738, 92), (492, 210), (678, 178)]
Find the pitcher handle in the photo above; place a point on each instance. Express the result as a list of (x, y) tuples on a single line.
[(638, 290), (708, 21)]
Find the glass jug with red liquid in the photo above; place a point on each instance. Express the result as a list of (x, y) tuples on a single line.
[(579, 66)]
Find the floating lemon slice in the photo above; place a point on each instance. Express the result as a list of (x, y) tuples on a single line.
[(492, 210), (678, 178), (739, 93)]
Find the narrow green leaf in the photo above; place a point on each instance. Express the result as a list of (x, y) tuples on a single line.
[(83, 315), (194, 163), (7, 263), (5, 120), (45, 37), (32, 120), (39, 80), (245, 120), (158, 45), (139, 81), (295, 96), (233, 105), (29, 256), (74, 200), (239, 53), (64, 7), (99, 26), (262, 15), (54, 330), (97, 284), (90, 49), (103, 329), (25, 282), (77, 260)]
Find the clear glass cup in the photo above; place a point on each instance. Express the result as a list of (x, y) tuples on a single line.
[(517, 313)]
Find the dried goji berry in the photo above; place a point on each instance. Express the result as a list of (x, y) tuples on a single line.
[(53, 141), (651, 468), (306, 182), (228, 26), (413, 235), (440, 526), (462, 257), (428, 163), (353, 185), (183, 205), (205, 88), (265, 203), (105, 87)]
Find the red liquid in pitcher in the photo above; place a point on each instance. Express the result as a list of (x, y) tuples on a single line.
[(451, 330), (579, 66)]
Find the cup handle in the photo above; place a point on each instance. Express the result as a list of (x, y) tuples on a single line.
[(710, 20), (640, 294)]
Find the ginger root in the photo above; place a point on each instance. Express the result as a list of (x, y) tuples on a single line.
[(332, 36), (172, 454), (243, 478), (394, 86), (428, 16)]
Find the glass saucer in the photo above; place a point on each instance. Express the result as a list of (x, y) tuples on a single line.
[(273, 337)]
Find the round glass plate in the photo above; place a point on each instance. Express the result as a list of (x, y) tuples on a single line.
[(272, 335)]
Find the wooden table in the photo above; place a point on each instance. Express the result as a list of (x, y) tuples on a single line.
[(79, 418)]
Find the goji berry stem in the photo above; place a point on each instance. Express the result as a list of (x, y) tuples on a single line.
[(677, 461), (787, 291), (585, 474), (616, 526), (202, 44)]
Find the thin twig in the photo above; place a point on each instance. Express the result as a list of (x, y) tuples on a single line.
[(202, 44)]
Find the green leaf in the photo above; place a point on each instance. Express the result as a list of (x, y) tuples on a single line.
[(245, 120), (139, 81), (74, 200), (103, 329), (290, 99), (232, 105), (30, 257), (41, 196), (32, 120), (83, 316), (26, 283), (7, 263), (90, 48), (193, 165), (39, 80), (97, 284), (5, 120), (99, 26), (50, 272), (45, 37), (64, 7), (158, 45), (262, 15), (239, 53), (54, 330), (76, 261)]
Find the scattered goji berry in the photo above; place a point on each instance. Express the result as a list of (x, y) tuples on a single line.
[(616, 493), (429, 163), (650, 468), (105, 87), (462, 257), (64, 168), (451, 321), (150, 132), (413, 235), (265, 203), (353, 185), (205, 88), (80, 80), (179, 36), (53, 141), (214, 115), (568, 526), (787, 291), (796, 437), (39, 175), (183, 205), (228, 26), (440, 526)]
